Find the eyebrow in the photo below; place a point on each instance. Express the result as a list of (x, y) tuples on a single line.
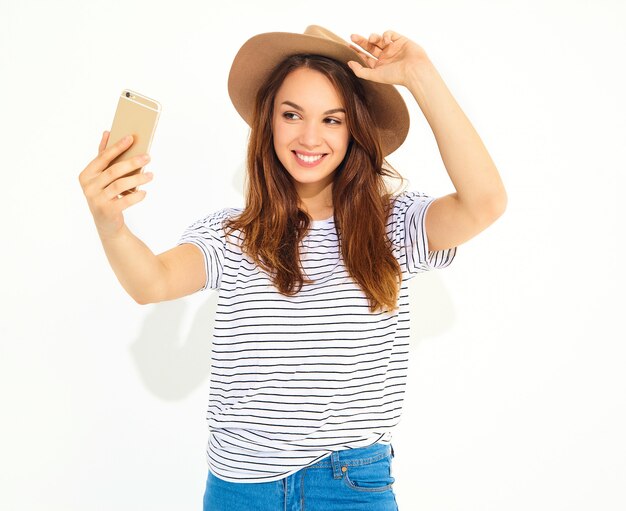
[(327, 112)]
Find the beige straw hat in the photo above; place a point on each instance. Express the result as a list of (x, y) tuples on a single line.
[(261, 53)]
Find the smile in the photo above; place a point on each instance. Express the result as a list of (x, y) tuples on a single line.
[(308, 161)]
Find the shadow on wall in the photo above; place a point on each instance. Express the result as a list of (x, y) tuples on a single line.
[(171, 364)]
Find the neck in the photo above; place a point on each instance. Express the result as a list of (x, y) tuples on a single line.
[(315, 200)]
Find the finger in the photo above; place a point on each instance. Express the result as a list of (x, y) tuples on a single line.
[(366, 44), (92, 169), (120, 169), (102, 161), (125, 184), (103, 141), (128, 200), (367, 58), (358, 39), (116, 147), (359, 70), (364, 54), (389, 36), (376, 41)]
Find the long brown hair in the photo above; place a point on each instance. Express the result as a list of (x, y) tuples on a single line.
[(273, 224)]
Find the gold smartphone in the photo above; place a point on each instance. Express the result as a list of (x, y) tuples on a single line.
[(136, 115)]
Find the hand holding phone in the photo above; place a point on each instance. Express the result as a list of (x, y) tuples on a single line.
[(103, 185), (110, 180)]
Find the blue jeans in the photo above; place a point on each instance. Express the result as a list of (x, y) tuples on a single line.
[(347, 480)]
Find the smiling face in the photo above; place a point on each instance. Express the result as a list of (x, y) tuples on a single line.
[(310, 133)]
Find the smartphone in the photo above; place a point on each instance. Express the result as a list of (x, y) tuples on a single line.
[(136, 115)]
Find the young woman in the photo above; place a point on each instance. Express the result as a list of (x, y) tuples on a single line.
[(310, 343)]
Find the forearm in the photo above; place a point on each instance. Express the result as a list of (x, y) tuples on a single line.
[(137, 268), (472, 172)]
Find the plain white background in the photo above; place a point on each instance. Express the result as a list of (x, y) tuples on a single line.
[(517, 388)]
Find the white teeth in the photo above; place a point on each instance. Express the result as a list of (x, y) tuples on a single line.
[(309, 159)]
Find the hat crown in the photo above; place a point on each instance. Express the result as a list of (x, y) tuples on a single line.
[(322, 33)]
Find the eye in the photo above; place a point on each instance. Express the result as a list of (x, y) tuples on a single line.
[(332, 120), (287, 115)]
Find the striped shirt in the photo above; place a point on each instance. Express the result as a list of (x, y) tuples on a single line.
[(294, 378)]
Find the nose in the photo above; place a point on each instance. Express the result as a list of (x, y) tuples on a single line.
[(310, 136)]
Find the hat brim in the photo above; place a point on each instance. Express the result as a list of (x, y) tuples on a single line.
[(261, 53)]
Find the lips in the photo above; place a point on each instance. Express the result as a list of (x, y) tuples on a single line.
[(308, 160)]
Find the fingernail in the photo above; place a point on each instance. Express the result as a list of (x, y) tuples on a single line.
[(127, 138)]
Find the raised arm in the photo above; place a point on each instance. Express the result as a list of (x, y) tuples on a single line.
[(146, 277), (480, 197)]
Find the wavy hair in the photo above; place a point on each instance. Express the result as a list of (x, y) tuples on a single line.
[(272, 222)]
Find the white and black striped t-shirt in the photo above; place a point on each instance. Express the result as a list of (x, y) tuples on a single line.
[(294, 378)]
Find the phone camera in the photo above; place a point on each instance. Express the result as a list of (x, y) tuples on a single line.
[(128, 94)]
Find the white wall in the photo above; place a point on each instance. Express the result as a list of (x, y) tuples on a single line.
[(516, 397)]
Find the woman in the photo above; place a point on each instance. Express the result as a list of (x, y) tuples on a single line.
[(310, 343)]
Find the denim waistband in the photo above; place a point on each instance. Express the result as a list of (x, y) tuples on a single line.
[(353, 457)]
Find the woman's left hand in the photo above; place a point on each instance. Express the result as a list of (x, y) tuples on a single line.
[(396, 56)]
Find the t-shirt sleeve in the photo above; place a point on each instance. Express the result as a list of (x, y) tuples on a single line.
[(208, 235), (410, 211)]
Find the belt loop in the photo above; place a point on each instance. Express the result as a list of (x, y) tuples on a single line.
[(334, 459)]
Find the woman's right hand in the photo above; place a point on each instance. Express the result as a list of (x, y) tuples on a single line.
[(103, 185)]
